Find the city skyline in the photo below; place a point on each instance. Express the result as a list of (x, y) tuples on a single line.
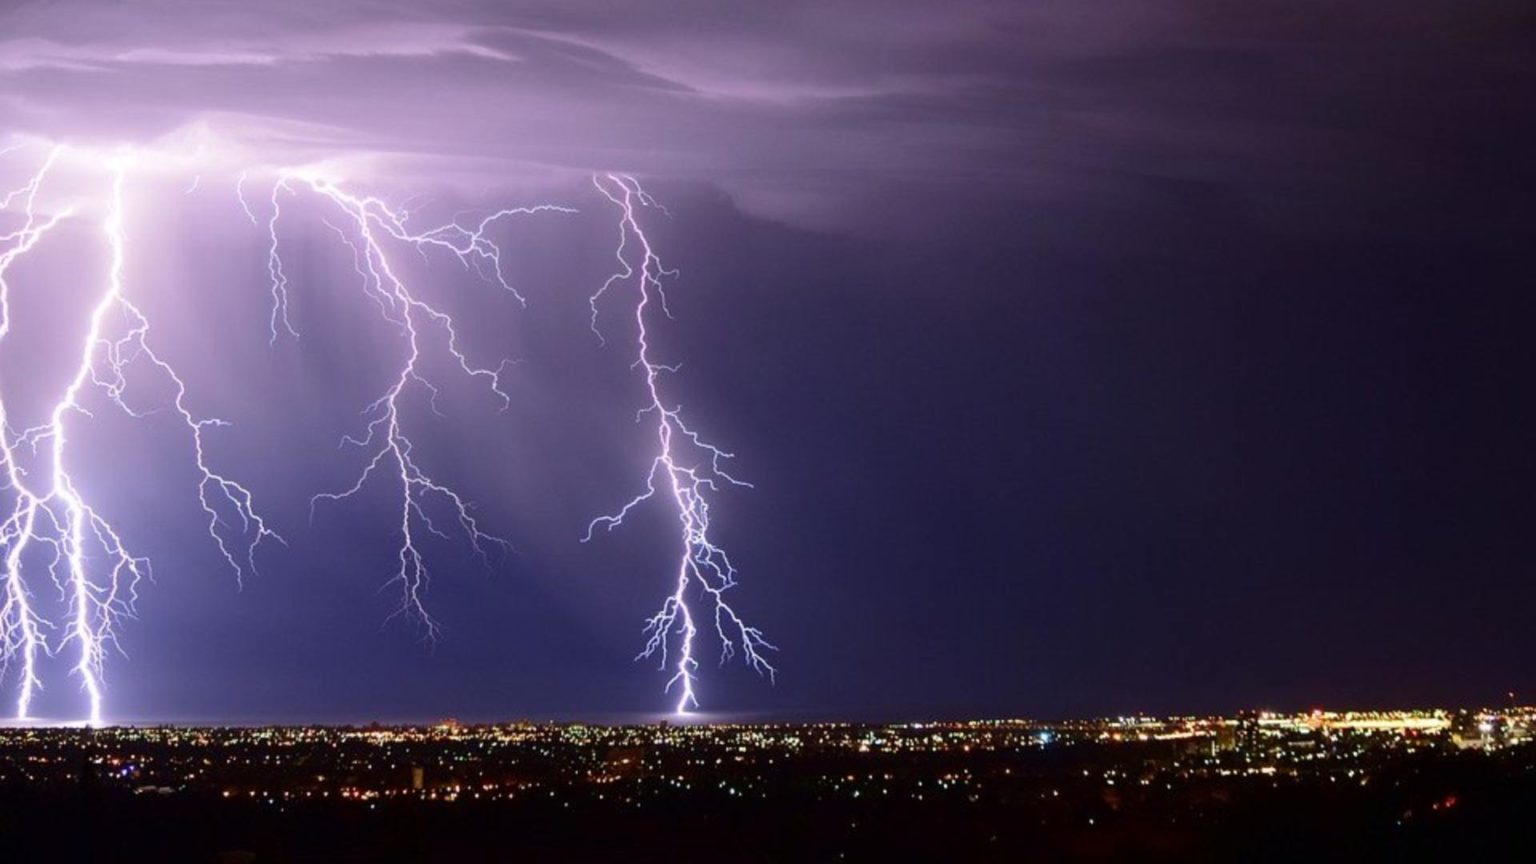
[(1409, 785)]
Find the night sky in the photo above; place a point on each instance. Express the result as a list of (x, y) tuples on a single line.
[(1084, 357)]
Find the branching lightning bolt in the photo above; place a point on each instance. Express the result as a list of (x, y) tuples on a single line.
[(687, 470), (88, 559), (50, 523), (21, 629), (371, 225)]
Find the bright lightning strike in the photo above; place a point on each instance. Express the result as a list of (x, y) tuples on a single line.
[(86, 556), (370, 227), (49, 523), (686, 470)]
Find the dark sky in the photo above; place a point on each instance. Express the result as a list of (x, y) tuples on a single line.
[(1085, 357)]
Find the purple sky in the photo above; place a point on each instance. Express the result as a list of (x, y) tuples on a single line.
[(1085, 356)]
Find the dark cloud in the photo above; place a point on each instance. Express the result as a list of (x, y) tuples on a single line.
[(808, 111)]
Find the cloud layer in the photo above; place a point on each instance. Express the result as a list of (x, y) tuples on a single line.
[(811, 111)]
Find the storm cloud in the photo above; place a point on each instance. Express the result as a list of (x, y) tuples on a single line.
[(828, 113)]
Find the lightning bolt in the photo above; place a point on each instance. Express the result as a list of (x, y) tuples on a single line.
[(88, 559), (687, 471), (50, 523), (370, 228), (21, 629)]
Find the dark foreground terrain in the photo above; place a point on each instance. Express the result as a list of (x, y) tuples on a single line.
[(1133, 790)]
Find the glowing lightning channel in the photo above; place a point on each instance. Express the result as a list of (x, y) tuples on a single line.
[(21, 628), (89, 560), (97, 575), (371, 225), (686, 468)]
